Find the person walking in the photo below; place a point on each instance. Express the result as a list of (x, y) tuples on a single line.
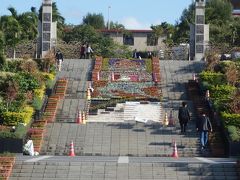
[(83, 51), (89, 51), (59, 59), (203, 125), (183, 116)]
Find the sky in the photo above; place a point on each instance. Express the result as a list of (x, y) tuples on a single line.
[(133, 14)]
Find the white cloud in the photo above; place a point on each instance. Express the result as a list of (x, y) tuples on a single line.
[(133, 23)]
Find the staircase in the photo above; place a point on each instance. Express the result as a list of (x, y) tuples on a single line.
[(216, 139), (129, 111), (96, 168)]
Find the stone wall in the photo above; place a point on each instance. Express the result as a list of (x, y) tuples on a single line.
[(28, 49)]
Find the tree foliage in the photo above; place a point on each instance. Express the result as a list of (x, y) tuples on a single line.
[(94, 20), (224, 29)]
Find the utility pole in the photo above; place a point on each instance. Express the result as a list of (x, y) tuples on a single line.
[(108, 18)]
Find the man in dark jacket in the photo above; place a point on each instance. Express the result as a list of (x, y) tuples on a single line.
[(203, 125), (183, 116)]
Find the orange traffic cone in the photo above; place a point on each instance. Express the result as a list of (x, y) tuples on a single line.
[(175, 153), (83, 118), (71, 153), (79, 118), (165, 120), (88, 94)]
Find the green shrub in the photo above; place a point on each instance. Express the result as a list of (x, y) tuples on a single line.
[(14, 118), (49, 84), (212, 78), (222, 91), (37, 103), (148, 65), (11, 66), (2, 60), (48, 76), (230, 119), (19, 132), (205, 85), (233, 133), (26, 82), (39, 93), (105, 64)]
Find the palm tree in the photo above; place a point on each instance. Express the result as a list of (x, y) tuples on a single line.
[(12, 31), (20, 27), (29, 23)]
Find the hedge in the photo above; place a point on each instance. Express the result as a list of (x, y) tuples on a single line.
[(48, 76), (39, 93), (233, 133), (230, 119), (14, 118), (212, 78), (222, 91), (19, 133)]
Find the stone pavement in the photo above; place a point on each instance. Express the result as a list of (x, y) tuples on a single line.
[(122, 168)]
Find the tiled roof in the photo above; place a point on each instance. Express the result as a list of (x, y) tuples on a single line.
[(130, 30)]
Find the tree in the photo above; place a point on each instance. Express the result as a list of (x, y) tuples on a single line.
[(29, 22), (94, 20), (12, 31), (165, 29), (116, 25), (158, 30), (82, 33), (18, 27), (2, 43), (183, 25), (224, 29)]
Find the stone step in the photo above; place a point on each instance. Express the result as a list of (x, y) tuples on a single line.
[(112, 168)]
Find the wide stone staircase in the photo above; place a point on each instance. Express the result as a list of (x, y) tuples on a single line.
[(109, 148)]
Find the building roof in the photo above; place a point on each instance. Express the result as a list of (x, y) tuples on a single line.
[(122, 30)]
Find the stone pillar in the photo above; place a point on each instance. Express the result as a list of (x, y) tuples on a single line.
[(201, 30), (46, 26)]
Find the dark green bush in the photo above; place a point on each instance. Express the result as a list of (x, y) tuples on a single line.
[(27, 82), (212, 78), (2, 60), (233, 133), (49, 84), (37, 103), (222, 91), (19, 132), (230, 119)]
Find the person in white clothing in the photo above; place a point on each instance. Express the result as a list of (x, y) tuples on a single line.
[(89, 51)]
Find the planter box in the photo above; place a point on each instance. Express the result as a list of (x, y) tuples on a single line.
[(11, 145)]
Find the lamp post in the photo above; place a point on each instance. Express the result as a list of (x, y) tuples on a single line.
[(108, 18)]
